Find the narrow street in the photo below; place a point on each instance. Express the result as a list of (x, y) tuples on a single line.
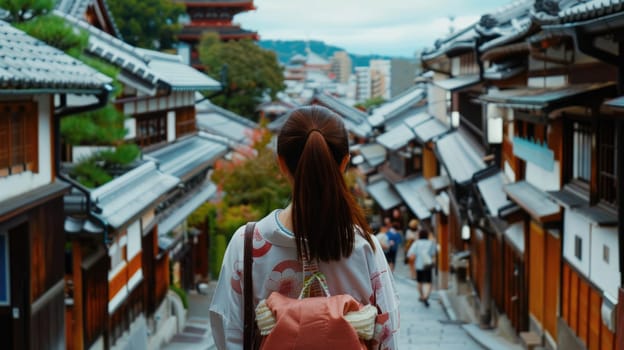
[(421, 327)]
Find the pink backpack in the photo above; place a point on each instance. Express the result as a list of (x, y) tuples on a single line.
[(315, 320)]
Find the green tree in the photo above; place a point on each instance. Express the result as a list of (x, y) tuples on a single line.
[(252, 72), (151, 24), (23, 10), (253, 178), (104, 126), (370, 103), (54, 31)]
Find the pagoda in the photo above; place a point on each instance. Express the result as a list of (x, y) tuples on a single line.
[(213, 16)]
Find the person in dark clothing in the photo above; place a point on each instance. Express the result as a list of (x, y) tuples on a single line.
[(394, 240)]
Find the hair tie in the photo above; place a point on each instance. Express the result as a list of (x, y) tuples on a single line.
[(313, 130)]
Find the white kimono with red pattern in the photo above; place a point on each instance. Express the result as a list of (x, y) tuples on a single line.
[(364, 275)]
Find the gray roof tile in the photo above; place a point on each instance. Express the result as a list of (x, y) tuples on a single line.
[(186, 157), (150, 66), (28, 63)]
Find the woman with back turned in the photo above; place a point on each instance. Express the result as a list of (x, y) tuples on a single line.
[(322, 224)]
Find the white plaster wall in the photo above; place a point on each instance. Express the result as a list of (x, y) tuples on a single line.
[(549, 81), (437, 102), (509, 172), (14, 185), (134, 240), (130, 126), (82, 152), (455, 65), (171, 123), (576, 225), (606, 275), (543, 179)]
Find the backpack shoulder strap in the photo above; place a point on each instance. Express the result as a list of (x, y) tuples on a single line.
[(249, 312)]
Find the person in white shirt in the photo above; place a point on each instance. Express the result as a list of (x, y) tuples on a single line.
[(422, 254), (323, 223)]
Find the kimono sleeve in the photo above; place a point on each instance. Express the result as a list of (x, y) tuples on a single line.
[(226, 309)]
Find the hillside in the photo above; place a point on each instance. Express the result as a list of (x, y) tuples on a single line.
[(285, 49)]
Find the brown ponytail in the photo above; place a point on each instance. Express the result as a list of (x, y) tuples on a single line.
[(313, 142)]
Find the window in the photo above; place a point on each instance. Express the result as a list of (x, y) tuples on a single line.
[(185, 121), (18, 137), (605, 253), (607, 164), (151, 129), (578, 247), (581, 151)]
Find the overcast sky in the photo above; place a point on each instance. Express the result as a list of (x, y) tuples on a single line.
[(387, 27)]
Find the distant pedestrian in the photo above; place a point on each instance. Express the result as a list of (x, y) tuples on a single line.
[(322, 225), (395, 238), (411, 235), (422, 253)]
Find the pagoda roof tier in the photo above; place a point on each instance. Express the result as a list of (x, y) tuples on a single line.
[(244, 5), (225, 32)]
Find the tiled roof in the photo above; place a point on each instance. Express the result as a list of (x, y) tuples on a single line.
[(130, 194), (460, 160), (500, 21), (396, 106), (230, 30), (430, 129), (185, 158), (220, 121), (78, 8), (509, 23), (384, 194), (355, 120), (460, 41), (491, 190), (177, 74), (587, 10), (549, 98), (75, 8), (396, 138), (418, 196), (28, 63), (149, 66)]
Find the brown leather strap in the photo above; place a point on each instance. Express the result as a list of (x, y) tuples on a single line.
[(249, 313)]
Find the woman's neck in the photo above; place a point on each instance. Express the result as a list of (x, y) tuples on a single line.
[(285, 217)]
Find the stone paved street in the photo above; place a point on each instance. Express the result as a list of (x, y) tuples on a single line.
[(422, 327)]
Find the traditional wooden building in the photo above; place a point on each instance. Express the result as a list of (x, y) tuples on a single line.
[(159, 93), (540, 113), (37, 82), (212, 16)]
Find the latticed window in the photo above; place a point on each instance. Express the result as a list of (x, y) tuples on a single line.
[(18, 137), (151, 129), (581, 151), (607, 163)]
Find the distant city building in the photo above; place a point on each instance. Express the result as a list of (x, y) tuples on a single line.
[(390, 78), (341, 66), (211, 16), (363, 83), (380, 78), (303, 75), (402, 75)]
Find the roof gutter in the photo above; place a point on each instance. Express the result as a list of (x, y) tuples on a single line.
[(102, 97), (64, 111)]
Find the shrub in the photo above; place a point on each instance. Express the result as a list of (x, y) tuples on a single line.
[(182, 294)]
